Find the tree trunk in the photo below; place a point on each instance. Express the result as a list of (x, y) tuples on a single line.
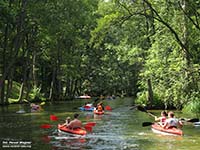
[(5, 43), (21, 92), (185, 34), (52, 86), (9, 86), (34, 69), (16, 47), (59, 87), (75, 88), (149, 94), (189, 75), (24, 81)]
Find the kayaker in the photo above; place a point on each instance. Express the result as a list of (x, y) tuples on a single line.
[(76, 123), (162, 118), (100, 107), (87, 104), (35, 107), (172, 122), (67, 121)]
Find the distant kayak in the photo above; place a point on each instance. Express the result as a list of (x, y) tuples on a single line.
[(85, 96), (21, 111), (172, 131), (197, 124), (98, 112), (86, 108), (72, 131)]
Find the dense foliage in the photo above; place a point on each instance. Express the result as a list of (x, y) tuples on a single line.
[(59, 49)]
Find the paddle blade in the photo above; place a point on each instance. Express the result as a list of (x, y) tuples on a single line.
[(144, 124), (46, 138), (43, 103), (26, 100), (142, 109), (132, 107), (90, 124), (45, 126), (108, 108), (88, 128), (53, 118), (193, 120)]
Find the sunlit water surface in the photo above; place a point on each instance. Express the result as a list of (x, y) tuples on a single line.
[(120, 129)]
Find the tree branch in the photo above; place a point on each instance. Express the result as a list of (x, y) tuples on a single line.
[(195, 24)]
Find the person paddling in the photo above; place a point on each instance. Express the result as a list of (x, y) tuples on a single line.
[(162, 118), (87, 105), (172, 122), (100, 107), (67, 121), (76, 123), (35, 107)]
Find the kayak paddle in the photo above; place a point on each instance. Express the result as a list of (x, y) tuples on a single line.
[(133, 107), (144, 110), (193, 120), (53, 118), (45, 126), (144, 124), (108, 108), (190, 120), (88, 128), (88, 125)]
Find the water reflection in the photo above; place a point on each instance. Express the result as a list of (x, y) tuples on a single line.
[(109, 133), (62, 140), (120, 129)]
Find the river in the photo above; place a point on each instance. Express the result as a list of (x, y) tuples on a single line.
[(119, 129)]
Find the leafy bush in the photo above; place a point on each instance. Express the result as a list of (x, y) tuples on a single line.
[(193, 107), (36, 94), (142, 100)]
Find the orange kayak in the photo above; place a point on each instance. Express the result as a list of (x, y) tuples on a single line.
[(171, 131), (73, 131), (98, 112)]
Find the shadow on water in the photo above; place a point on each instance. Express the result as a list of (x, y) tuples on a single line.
[(119, 129)]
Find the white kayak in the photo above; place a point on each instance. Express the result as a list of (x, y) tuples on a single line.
[(197, 124), (21, 111)]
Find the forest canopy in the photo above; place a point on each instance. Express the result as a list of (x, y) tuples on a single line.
[(56, 50)]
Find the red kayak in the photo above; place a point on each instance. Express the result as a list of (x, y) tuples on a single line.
[(73, 131), (172, 131), (98, 112)]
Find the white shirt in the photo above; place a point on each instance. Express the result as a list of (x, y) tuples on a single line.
[(172, 122)]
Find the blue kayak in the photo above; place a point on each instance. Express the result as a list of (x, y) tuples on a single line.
[(86, 108)]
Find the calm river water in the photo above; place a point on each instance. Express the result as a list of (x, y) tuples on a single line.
[(120, 129)]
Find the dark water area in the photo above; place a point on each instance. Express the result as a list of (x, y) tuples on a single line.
[(119, 129)]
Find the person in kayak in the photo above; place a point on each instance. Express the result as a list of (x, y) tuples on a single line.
[(162, 118), (67, 121), (76, 123), (100, 107), (172, 122), (87, 105), (35, 107)]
